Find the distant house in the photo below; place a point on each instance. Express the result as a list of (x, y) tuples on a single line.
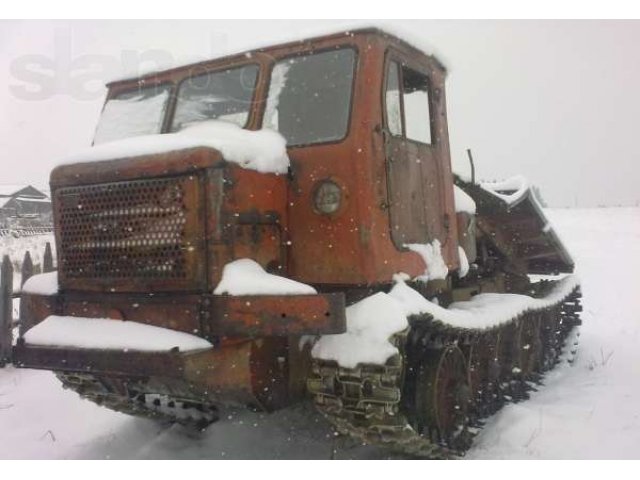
[(24, 206)]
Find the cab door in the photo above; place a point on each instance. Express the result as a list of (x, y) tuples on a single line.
[(413, 161)]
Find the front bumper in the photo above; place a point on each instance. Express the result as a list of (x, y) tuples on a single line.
[(228, 375), (105, 362), (208, 316), (255, 359)]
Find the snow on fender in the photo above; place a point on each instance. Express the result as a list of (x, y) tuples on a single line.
[(370, 323), (247, 277)]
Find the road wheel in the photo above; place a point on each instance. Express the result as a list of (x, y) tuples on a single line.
[(551, 341), (530, 346), (443, 396), (483, 366)]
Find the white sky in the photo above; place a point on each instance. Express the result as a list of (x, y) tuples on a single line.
[(555, 101)]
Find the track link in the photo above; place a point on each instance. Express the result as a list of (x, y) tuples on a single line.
[(375, 403), (132, 398)]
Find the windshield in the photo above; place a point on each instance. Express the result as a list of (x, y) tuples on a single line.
[(310, 97), (133, 113), (225, 96), (309, 100)]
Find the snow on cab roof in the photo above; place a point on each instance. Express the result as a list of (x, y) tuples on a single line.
[(402, 35)]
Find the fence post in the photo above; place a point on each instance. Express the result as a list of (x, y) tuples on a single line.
[(6, 311), (27, 268), (47, 262)]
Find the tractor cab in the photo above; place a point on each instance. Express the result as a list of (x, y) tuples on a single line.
[(363, 115)]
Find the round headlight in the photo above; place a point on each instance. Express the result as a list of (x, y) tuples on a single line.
[(327, 197)]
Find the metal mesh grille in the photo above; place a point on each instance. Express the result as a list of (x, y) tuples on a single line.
[(136, 229)]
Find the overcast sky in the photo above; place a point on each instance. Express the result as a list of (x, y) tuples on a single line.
[(555, 101)]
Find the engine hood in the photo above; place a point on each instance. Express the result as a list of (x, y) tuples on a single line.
[(199, 146), (150, 165)]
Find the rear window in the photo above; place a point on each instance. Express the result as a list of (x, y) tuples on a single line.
[(310, 97)]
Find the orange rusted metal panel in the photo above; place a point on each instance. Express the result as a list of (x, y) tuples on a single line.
[(204, 315), (166, 164), (176, 312), (35, 308), (264, 316), (253, 373), (98, 361), (355, 243)]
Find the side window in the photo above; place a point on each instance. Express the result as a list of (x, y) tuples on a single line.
[(392, 100), (417, 110), (310, 97), (408, 106)]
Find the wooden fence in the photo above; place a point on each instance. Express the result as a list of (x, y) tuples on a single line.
[(8, 294)]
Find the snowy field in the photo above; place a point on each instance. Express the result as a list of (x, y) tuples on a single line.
[(590, 409)]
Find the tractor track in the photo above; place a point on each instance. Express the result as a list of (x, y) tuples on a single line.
[(376, 404), (388, 405), (135, 397)]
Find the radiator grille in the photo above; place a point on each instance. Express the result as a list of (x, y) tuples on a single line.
[(144, 229)]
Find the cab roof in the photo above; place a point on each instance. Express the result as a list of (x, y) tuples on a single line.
[(396, 37)]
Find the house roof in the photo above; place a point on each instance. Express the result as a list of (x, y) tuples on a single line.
[(13, 190), (9, 190), (5, 202)]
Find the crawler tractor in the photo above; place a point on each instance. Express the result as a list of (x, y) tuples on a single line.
[(145, 231)]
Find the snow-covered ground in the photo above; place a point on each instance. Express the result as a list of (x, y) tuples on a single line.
[(590, 409)]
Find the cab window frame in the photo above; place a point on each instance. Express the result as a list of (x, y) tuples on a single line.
[(114, 93), (309, 52), (211, 71), (392, 56)]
